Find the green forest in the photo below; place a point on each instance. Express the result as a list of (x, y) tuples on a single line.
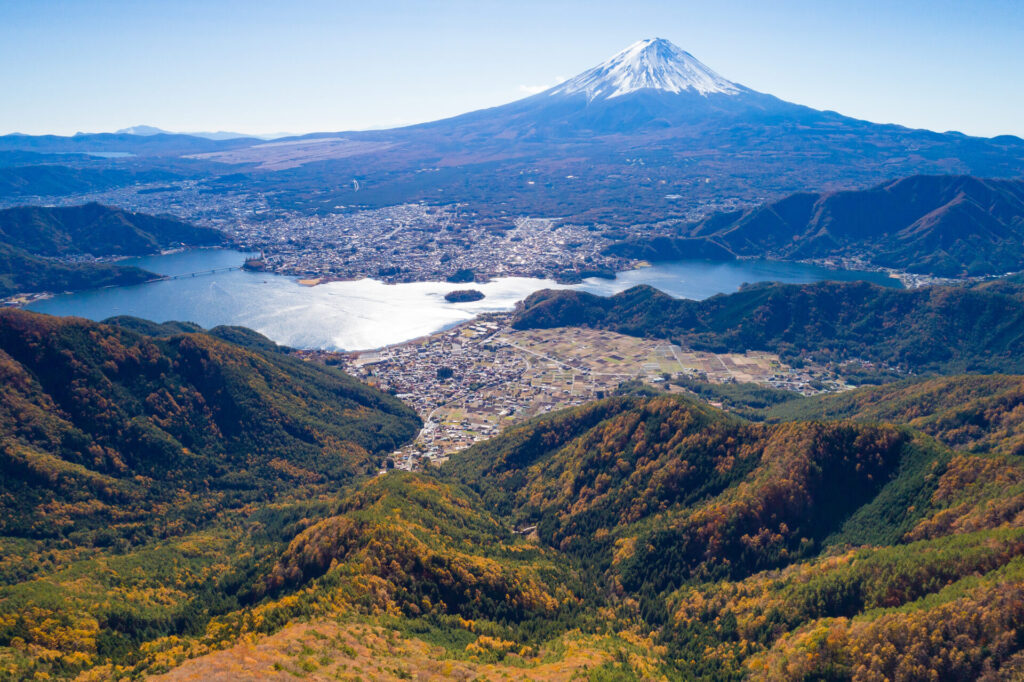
[(171, 494)]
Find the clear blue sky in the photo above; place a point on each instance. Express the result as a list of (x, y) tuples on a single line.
[(260, 66)]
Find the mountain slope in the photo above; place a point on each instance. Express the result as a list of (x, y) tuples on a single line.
[(417, 535), (983, 413), (20, 271), (103, 427), (32, 237), (52, 179), (650, 134), (679, 508), (944, 225), (654, 64), (594, 479), (97, 230), (933, 328), (672, 540)]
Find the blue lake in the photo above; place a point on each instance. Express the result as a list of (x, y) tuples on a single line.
[(366, 313)]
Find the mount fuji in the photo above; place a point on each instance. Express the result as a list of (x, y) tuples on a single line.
[(648, 135), (651, 64), (650, 85)]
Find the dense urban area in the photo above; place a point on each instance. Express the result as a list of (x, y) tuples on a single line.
[(412, 242)]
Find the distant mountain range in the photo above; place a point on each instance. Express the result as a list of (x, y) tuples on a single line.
[(48, 176), (125, 144), (940, 225), (145, 130)]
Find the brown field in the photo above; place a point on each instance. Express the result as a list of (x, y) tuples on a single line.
[(617, 355), (328, 650)]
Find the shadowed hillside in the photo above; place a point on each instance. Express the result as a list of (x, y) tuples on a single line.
[(947, 225), (33, 239)]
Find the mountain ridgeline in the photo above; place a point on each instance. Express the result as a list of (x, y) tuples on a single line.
[(104, 426), (38, 245), (946, 329), (171, 493), (97, 230), (975, 413), (731, 539), (940, 225), (89, 144)]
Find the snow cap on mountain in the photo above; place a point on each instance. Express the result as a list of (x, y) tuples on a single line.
[(650, 64)]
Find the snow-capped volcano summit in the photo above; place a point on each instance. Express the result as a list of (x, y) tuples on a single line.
[(652, 85), (651, 64)]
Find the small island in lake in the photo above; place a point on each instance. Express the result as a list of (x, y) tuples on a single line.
[(463, 296)]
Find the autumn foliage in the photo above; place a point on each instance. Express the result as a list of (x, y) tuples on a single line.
[(171, 494)]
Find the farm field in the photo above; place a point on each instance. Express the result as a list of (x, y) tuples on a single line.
[(470, 382)]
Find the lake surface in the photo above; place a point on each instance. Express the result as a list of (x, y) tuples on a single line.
[(366, 313)]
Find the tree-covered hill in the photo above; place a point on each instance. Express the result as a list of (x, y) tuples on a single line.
[(799, 550), (419, 545), (20, 271), (50, 179), (97, 230), (38, 245), (661, 491), (174, 495), (103, 426), (948, 329), (947, 225), (977, 413)]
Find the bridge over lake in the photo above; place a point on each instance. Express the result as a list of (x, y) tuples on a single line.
[(198, 273)]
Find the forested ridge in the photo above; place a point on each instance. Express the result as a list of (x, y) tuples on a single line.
[(101, 419), (35, 239), (181, 491), (794, 550), (930, 329), (98, 230), (946, 225), (976, 413), (20, 271)]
